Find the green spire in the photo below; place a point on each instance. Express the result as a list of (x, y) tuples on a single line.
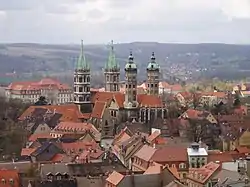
[(82, 64), (111, 63)]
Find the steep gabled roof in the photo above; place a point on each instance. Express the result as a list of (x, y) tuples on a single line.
[(69, 112), (98, 109)]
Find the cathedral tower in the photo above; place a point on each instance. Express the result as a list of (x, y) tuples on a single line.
[(130, 84), (112, 72), (153, 74), (82, 83)]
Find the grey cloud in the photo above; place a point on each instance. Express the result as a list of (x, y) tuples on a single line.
[(95, 14), (17, 5), (30, 22)]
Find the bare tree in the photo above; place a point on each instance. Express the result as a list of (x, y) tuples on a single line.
[(194, 130)]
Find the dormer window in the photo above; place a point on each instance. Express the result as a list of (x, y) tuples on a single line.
[(11, 181), (3, 181)]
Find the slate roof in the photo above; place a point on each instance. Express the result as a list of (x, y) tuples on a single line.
[(43, 148)]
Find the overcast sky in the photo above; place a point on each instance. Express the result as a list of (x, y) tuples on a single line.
[(99, 21)]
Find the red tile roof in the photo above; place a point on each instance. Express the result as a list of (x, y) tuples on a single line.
[(203, 174), (122, 136), (58, 158), (154, 168), (143, 99), (90, 154), (70, 112), (153, 136), (170, 154), (75, 127), (27, 151), (8, 176), (220, 157), (103, 97), (115, 178), (43, 83), (145, 153), (174, 171), (108, 97), (186, 95), (215, 94), (98, 109), (119, 98), (149, 101), (242, 149), (241, 110), (36, 136), (193, 114), (77, 147)]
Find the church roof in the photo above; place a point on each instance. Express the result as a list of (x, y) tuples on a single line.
[(112, 64), (130, 64), (82, 64), (152, 65)]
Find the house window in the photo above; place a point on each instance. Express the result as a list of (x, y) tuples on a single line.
[(80, 89), (80, 79), (11, 181), (173, 165), (3, 181), (182, 166), (193, 165), (80, 98), (184, 175)]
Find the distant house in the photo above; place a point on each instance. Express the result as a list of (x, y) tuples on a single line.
[(9, 178), (155, 175), (213, 98), (201, 176), (197, 156), (46, 152), (75, 128), (125, 146), (54, 91), (173, 157), (142, 159)]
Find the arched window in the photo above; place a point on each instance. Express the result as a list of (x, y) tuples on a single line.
[(80, 79), (88, 78)]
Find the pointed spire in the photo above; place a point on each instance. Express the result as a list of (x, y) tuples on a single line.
[(111, 63), (82, 64)]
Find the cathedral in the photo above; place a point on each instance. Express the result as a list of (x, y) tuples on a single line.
[(112, 103)]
